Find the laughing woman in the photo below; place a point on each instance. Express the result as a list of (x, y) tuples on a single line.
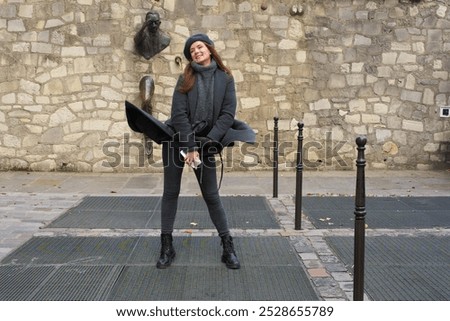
[(203, 110)]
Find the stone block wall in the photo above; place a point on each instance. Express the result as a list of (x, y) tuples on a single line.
[(343, 67)]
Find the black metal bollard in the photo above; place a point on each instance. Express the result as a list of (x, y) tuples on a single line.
[(360, 225), (299, 179), (275, 156)]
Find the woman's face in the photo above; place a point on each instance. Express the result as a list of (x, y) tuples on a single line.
[(200, 53)]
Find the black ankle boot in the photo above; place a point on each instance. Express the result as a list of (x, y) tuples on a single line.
[(229, 256), (167, 252)]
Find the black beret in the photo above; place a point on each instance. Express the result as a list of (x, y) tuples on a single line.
[(197, 37)]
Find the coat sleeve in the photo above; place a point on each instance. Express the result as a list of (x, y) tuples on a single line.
[(180, 118), (227, 112)]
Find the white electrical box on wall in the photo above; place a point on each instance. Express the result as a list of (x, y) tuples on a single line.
[(445, 111)]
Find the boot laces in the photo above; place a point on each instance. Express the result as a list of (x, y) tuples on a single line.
[(227, 244)]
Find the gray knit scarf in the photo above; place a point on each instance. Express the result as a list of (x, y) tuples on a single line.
[(205, 89)]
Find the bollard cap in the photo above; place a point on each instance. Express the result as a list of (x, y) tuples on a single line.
[(361, 141)]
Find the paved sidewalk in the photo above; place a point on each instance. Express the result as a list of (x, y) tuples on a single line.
[(29, 201), (378, 183)]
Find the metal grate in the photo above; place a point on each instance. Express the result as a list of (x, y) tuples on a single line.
[(126, 212), (206, 283), (73, 250), (123, 268), (382, 212), (77, 283), (17, 283), (404, 268)]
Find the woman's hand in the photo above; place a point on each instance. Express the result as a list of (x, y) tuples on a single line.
[(191, 156)]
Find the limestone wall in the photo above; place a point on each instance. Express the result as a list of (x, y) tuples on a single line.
[(344, 67)]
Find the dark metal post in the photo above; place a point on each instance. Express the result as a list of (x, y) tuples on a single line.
[(275, 156), (299, 179), (360, 225)]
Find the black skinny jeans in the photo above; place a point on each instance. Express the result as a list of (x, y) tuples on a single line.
[(207, 179)]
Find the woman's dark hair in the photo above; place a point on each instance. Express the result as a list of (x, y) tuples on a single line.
[(189, 75)]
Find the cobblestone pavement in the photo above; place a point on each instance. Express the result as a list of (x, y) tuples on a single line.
[(29, 201)]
